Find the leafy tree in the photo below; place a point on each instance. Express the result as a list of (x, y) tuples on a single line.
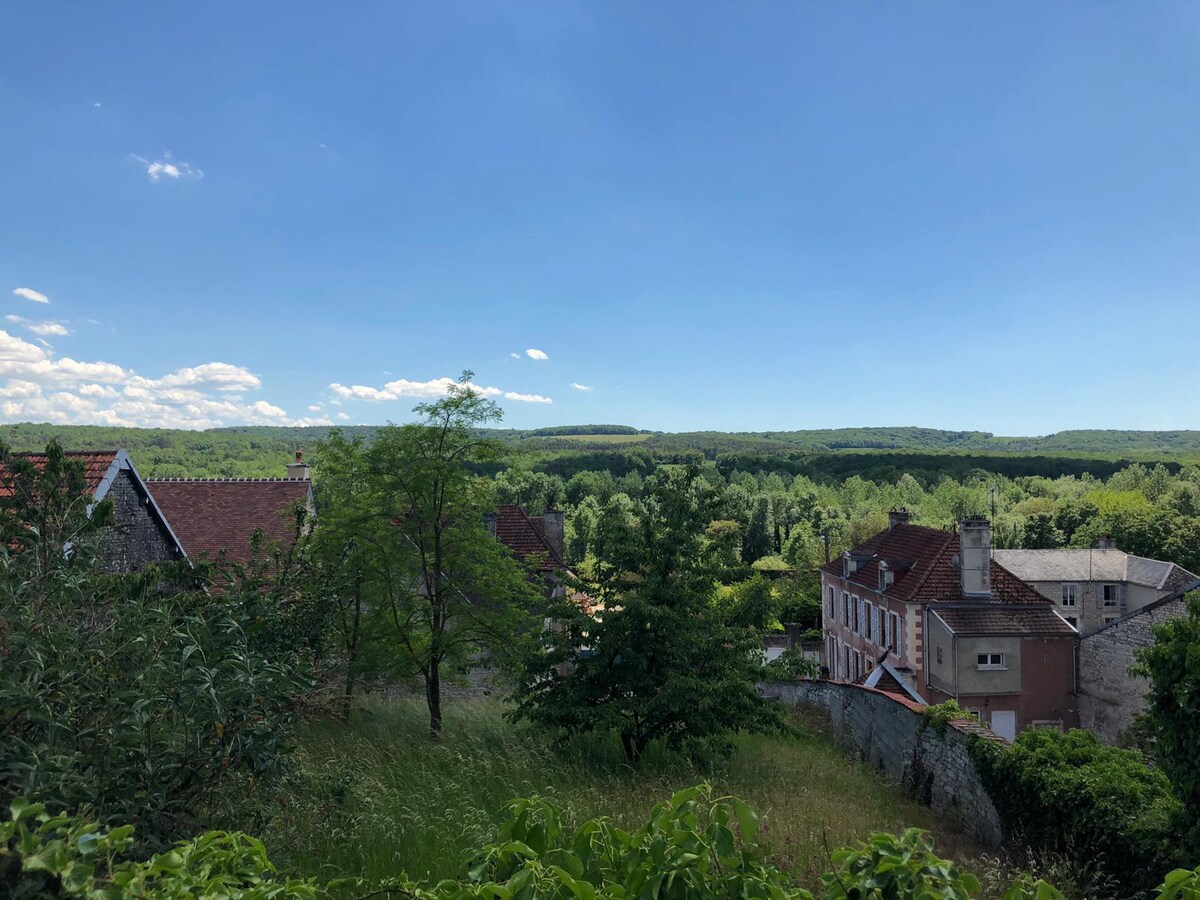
[(441, 588), (757, 542), (137, 696), (660, 662), (1040, 533), (1172, 716)]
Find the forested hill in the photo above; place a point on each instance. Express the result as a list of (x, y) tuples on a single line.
[(255, 451)]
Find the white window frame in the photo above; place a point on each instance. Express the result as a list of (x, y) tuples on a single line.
[(860, 617), (995, 662), (1070, 595)]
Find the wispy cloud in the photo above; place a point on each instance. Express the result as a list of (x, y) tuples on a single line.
[(536, 354), (515, 355), (581, 387), (526, 398), (45, 329), (169, 168), (31, 294)]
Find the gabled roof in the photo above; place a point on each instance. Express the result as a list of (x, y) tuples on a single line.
[(922, 559), (1094, 564), (1016, 619), (100, 470), (211, 515), (523, 536), (887, 678)]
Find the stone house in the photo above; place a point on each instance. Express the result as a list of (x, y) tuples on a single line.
[(539, 540), (1094, 586), (140, 533), (951, 623), (1109, 697)]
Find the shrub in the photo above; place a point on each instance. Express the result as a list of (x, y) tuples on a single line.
[(1067, 792)]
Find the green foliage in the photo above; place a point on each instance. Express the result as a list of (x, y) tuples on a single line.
[(137, 696), (1172, 713), (1180, 884), (757, 541), (888, 866), (942, 714), (424, 585), (791, 665), (1069, 793), (661, 661)]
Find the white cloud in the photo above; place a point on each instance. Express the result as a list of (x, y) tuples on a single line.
[(40, 387), (98, 105), (581, 387), (515, 355), (31, 294), (175, 170), (41, 328), (536, 354), (314, 407), (342, 416), (526, 398), (394, 390)]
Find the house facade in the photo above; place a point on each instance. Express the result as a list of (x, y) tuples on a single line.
[(1095, 586), (950, 623)]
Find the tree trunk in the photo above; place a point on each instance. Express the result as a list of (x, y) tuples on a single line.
[(433, 696)]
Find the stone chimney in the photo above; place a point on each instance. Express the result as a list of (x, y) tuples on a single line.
[(975, 556), (552, 531), (298, 469), (1106, 542), (897, 517)]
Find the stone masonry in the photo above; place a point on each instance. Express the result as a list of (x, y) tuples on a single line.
[(892, 735), (137, 538), (1109, 697)]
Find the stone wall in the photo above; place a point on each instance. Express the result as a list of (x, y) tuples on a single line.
[(135, 538), (1109, 697), (893, 736)]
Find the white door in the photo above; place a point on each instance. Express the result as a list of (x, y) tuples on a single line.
[(1004, 723)]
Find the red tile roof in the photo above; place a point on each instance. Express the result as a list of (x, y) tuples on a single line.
[(1004, 618), (523, 536), (214, 515), (921, 558), (96, 465)]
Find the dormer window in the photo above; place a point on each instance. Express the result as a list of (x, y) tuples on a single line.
[(886, 576)]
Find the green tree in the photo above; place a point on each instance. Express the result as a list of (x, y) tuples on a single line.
[(757, 542), (442, 588), (1172, 716), (661, 661)]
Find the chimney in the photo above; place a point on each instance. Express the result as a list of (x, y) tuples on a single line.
[(1106, 542), (298, 469), (975, 556), (897, 517), (552, 531)]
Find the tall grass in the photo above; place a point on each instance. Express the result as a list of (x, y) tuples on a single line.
[(377, 797)]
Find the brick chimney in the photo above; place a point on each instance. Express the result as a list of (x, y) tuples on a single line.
[(298, 469), (975, 556), (897, 517), (1106, 542), (552, 531)]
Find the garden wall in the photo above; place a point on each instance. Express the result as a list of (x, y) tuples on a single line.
[(891, 733)]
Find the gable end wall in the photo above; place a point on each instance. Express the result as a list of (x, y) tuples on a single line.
[(135, 538)]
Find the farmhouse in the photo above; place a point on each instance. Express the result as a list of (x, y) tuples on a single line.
[(951, 623), (217, 517), (538, 540), (140, 533)]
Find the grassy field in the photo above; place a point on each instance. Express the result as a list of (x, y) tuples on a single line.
[(378, 797)]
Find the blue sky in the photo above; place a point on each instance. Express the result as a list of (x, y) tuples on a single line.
[(735, 216)]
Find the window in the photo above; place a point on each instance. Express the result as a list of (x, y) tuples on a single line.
[(869, 622), (1073, 621), (1069, 595), (1112, 594), (876, 615), (1108, 619), (846, 614), (859, 623), (830, 605), (894, 644), (885, 622), (990, 661)]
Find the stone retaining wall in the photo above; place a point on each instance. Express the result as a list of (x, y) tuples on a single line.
[(892, 735)]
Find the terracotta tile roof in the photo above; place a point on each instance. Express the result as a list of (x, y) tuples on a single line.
[(96, 465), (921, 558), (523, 535), (1004, 618), (211, 515)]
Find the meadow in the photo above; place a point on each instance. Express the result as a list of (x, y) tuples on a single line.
[(379, 798)]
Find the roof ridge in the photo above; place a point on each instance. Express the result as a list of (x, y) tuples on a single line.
[(190, 480)]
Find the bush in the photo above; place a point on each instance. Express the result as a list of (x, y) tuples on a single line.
[(1070, 793)]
